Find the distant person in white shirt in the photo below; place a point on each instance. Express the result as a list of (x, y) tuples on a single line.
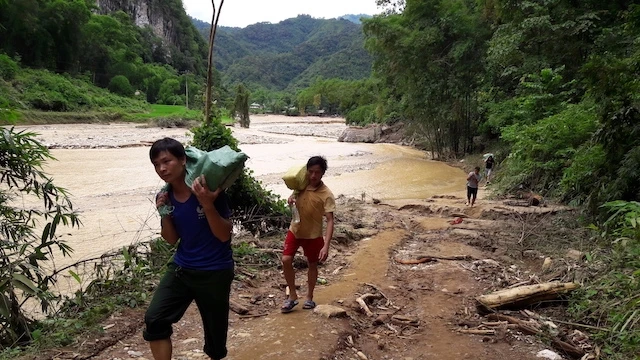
[(472, 185)]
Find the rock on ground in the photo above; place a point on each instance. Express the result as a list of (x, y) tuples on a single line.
[(330, 311)]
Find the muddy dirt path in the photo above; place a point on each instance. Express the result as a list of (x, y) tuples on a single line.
[(437, 295)]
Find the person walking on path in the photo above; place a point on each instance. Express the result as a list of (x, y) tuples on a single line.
[(202, 268), (473, 179), (314, 203), (489, 165)]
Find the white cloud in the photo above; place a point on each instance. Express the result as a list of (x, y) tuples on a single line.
[(241, 13)]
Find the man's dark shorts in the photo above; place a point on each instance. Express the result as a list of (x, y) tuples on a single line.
[(177, 289), (472, 192)]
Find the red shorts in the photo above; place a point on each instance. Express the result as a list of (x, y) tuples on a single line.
[(311, 247)]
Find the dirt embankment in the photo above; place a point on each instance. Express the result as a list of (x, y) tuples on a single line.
[(412, 311)]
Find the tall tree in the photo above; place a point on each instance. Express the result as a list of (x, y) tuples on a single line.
[(241, 105), (429, 55)]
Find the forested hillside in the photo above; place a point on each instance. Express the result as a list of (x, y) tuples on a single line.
[(290, 54), (137, 49)]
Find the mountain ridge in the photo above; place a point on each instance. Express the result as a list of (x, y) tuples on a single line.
[(290, 54)]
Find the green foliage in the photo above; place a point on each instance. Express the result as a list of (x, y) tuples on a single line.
[(120, 85), (610, 299), (64, 36), (362, 115), (428, 58), (241, 105), (170, 93), (538, 96), (541, 152), (22, 249), (8, 67), (43, 90), (257, 209)]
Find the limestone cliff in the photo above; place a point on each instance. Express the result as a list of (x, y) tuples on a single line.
[(159, 15)]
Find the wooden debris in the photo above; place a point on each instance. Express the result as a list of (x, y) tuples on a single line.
[(419, 260), (569, 349), (362, 301), (528, 329), (524, 327), (238, 308), (523, 295), (404, 320), (381, 319), (252, 316), (478, 331)]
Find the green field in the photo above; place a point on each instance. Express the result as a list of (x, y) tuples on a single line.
[(172, 112), (166, 111)]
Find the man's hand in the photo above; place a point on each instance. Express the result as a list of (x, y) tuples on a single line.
[(205, 196), (162, 199), (324, 254), (291, 199)]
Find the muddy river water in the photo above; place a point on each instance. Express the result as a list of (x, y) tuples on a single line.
[(112, 183)]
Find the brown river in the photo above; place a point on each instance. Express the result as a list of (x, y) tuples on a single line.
[(107, 171)]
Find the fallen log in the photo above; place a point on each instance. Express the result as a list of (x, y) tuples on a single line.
[(238, 308), (523, 296)]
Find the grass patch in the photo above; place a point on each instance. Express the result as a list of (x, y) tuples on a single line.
[(610, 299), (166, 111)]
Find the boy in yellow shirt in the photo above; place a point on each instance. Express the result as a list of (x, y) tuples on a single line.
[(314, 202)]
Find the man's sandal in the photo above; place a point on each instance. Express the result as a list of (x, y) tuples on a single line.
[(309, 304), (288, 306)]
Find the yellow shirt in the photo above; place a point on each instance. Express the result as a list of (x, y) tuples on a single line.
[(312, 204)]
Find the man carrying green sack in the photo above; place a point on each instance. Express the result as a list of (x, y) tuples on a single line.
[(202, 268)]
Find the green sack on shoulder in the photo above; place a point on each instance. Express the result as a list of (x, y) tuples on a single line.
[(220, 167)]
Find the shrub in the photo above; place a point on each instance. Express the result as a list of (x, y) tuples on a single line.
[(22, 249), (120, 85), (8, 67), (362, 115), (257, 209), (610, 299), (542, 151)]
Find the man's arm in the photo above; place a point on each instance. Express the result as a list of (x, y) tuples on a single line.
[(168, 230), (324, 253)]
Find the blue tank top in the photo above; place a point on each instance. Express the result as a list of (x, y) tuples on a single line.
[(199, 249)]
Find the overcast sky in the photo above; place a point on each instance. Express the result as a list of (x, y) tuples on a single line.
[(241, 13)]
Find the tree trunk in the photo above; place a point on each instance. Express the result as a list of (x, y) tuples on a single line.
[(212, 36)]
